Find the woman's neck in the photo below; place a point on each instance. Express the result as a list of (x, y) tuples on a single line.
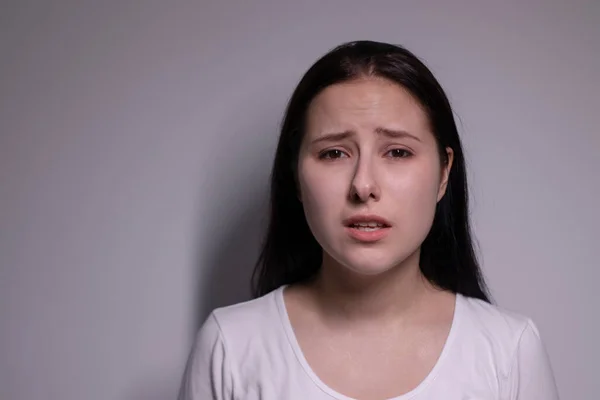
[(345, 296)]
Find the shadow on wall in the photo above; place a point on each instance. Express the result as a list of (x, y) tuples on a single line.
[(226, 272), (225, 280), (223, 270), (156, 388), (227, 276)]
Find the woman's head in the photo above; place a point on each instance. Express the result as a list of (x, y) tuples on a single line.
[(369, 138), (368, 157)]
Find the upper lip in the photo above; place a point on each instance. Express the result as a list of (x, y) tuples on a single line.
[(355, 219)]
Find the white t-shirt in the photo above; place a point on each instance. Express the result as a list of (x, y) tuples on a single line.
[(249, 351)]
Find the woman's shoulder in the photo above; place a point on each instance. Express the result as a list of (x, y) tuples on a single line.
[(246, 333), (511, 342), (495, 325), (492, 317), (248, 321)]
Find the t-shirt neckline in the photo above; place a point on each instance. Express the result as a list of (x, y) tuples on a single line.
[(293, 341)]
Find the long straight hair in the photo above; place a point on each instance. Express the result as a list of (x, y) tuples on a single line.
[(290, 253)]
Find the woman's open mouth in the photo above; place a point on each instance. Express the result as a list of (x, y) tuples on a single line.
[(367, 228)]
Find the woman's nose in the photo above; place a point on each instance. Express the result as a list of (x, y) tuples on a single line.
[(364, 183)]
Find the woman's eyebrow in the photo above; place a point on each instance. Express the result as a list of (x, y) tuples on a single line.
[(396, 134), (333, 137), (390, 133)]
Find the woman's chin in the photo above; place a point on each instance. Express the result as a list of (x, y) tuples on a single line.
[(370, 270), (367, 263), (368, 267)]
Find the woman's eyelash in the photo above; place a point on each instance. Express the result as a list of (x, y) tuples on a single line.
[(335, 154), (399, 153), (331, 154)]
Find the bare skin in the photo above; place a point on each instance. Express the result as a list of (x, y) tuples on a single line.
[(370, 325), (370, 357)]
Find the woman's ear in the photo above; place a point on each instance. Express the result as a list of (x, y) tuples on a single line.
[(446, 173)]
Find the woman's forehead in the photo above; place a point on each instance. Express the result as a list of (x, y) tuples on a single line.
[(365, 105)]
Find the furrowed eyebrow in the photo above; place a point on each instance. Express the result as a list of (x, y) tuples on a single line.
[(333, 137), (395, 134), (390, 133)]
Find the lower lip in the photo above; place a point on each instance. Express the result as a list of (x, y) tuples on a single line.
[(367, 236)]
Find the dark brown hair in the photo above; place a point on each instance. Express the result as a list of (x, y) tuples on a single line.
[(291, 254)]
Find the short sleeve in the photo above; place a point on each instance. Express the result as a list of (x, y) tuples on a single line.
[(207, 373), (530, 376)]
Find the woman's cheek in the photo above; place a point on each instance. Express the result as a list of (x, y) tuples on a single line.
[(416, 194), (323, 198), (320, 195)]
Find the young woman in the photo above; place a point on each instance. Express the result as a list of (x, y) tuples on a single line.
[(368, 286)]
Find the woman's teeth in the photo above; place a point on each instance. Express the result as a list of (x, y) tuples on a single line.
[(367, 226)]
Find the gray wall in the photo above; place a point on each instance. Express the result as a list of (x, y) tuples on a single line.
[(135, 146)]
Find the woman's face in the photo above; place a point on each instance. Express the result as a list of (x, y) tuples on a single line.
[(369, 174)]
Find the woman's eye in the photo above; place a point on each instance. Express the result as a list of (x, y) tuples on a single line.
[(332, 154), (399, 153)]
